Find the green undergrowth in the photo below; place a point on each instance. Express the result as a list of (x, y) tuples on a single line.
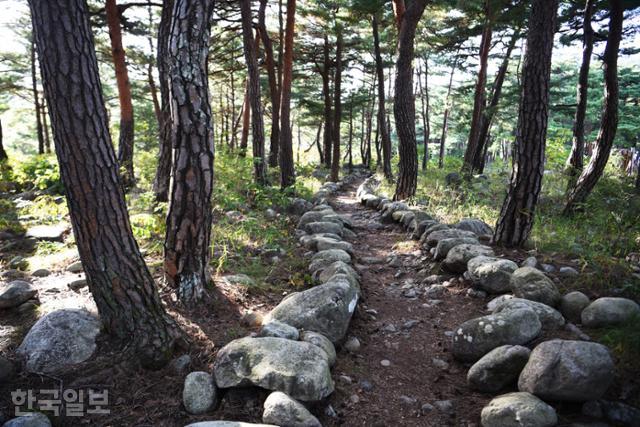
[(624, 341)]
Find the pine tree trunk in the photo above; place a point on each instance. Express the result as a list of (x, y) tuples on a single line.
[(479, 99), (404, 108), (326, 91), (445, 117), (317, 143), (163, 171), (121, 285), (36, 98), (45, 125), (490, 111), (187, 243), (337, 110), (386, 140), (246, 122), (575, 162), (3, 153), (274, 92), (287, 172), (125, 143), (517, 214), (609, 122), (257, 122), (350, 144), (426, 126)]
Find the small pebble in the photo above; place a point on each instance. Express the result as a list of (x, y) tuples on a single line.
[(366, 385), (385, 362)]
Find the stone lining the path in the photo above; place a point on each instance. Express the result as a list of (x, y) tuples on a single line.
[(556, 370)]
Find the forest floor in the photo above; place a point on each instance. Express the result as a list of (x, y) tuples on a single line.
[(402, 374)]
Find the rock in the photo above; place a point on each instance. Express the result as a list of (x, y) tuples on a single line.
[(76, 285), (50, 233), (385, 363), (13, 274), (518, 410), (435, 291), (181, 365), (568, 272), (15, 293), (608, 311), (476, 293), (406, 400), (572, 304), (453, 179), (280, 409), (445, 245), (31, 419), (75, 267), (567, 371), (475, 226), (41, 272), (498, 368), (421, 226), (476, 337), (270, 214), (238, 280), (547, 268), (337, 267), (617, 413), (251, 318), (58, 340), (27, 307), (299, 206), (491, 274), (199, 393), (227, 424), (279, 330), (322, 342), (7, 370), (327, 257), (530, 283), (435, 236), (458, 257), (352, 344), (426, 408), (324, 227), (530, 262), (549, 316), (327, 244), (439, 363), (19, 263), (297, 368), (445, 406), (326, 309)]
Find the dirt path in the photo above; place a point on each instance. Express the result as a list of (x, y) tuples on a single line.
[(400, 327)]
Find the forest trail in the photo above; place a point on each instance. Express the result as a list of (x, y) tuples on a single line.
[(398, 325)]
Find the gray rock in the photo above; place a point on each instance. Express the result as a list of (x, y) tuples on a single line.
[(270, 214), (572, 304), (7, 370), (32, 419), (227, 424), (327, 244), (19, 263), (75, 267), (518, 410), (50, 233), (322, 342), (498, 368), (58, 340), (445, 406), (453, 179), (617, 413), (476, 337), (279, 330), (568, 272), (199, 393), (299, 206), (445, 245), (497, 301), (181, 365), (435, 236), (76, 285), (549, 316), (310, 241), (41, 272), (280, 409), (15, 293), (530, 262), (458, 257), (547, 268), (421, 226), (238, 279), (475, 226), (491, 274), (435, 291), (297, 368), (323, 259), (352, 344), (530, 283), (607, 312), (324, 227), (568, 371)]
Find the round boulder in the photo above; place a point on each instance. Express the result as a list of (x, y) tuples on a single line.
[(606, 312), (491, 274), (280, 409), (199, 393), (518, 410), (445, 245), (15, 293), (572, 304), (531, 283), (549, 316), (474, 225), (498, 368), (458, 257), (568, 371)]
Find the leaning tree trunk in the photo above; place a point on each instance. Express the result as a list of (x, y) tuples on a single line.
[(609, 122), (404, 108), (253, 84), (575, 162), (384, 134), (274, 90), (326, 92), (163, 172), (125, 143), (36, 98), (337, 110), (121, 284), (479, 99), (287, 172), (517, 214), (187, 243)]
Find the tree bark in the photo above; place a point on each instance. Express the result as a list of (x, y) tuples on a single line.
[(517, 213), (326, 91), (287, 172), (404, 103), (445, 117), (426, 126), (575, 162), (337, 109), (121, 285), (398, 12), (125, 143), (609, 121), (350, 143), (36, 98), (274, 91), (479, 99), (492, 108), (163, 172), (187, 243), (257, 122), (3, 153), (246, 122), (386, 140)]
